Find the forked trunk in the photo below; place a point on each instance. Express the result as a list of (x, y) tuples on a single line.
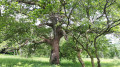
[(58, 33), (54, 58)]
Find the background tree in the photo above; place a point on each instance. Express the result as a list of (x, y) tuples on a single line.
[(94, 22)]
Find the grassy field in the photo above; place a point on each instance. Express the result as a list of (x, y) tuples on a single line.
[(17, 61)]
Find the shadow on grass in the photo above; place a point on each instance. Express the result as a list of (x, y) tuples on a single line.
[(7, 62)]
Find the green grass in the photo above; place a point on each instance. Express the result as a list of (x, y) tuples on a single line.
[(17, 61)]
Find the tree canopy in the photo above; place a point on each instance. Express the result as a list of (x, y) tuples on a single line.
[(82, 23)]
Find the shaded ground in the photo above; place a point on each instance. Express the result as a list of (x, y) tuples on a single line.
[(16, 61)]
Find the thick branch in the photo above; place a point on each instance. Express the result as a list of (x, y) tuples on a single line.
[(28, 2), (48, 24), (45, 40), (39, 42), (64, 33)]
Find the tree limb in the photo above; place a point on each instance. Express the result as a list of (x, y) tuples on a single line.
[(104, 10), (28, 2), (79, 42), (48, 24)]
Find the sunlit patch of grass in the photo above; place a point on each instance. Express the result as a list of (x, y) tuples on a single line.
[(17, 61), (40, 59)]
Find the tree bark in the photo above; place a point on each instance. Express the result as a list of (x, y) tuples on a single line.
[(54, 58), (98, 61), (96, 50), (0, 12), (80, 59), (58, 33), (92, 59)]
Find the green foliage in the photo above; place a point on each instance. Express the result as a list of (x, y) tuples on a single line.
[(113, 51), (17, 30), (42, 31), (38, 50), (67, 50)]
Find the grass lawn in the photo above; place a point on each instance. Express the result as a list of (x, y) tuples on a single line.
[(17, 61)]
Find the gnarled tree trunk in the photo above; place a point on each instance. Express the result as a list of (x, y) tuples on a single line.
[(54, 58)]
